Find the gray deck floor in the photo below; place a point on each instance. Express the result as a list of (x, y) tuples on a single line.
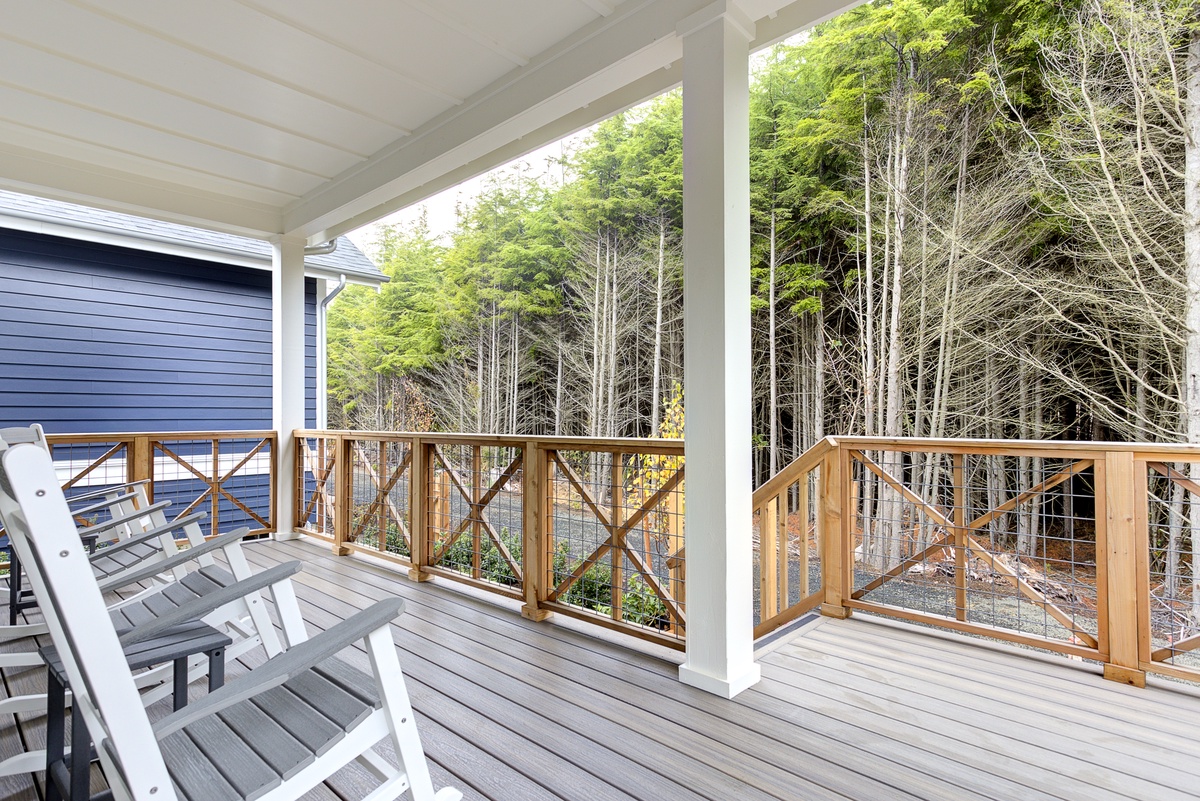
[(860, 709)]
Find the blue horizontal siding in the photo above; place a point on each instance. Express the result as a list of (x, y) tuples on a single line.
[(97, 338)]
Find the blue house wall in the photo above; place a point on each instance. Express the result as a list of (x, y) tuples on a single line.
[(96, 338)]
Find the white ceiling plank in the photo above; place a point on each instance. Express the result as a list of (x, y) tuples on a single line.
[(599, 6), (130, 136), (528, 27), (95, 42), (461, 65), (464, 28), (103, 93), (122, 160), (296, 61), (82, 182), (405, 75)]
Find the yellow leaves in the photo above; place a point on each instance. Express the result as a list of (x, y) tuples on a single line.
[(655, 470)]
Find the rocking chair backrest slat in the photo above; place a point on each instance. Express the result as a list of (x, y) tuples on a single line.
[(47, 541)]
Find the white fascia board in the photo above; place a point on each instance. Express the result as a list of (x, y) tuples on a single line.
[(84, 232), (610, 65), (78, 182)]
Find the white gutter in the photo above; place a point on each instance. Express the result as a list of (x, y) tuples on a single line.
[(323, 353)]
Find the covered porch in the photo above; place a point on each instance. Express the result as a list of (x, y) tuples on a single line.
[(861, 708)]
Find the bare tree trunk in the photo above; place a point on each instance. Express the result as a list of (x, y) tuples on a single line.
[(772, 368), (1191, 247), (656, 370)]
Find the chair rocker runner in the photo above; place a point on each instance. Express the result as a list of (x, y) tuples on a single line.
[(271, 735)]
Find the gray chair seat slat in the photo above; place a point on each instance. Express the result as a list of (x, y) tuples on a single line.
[(283, 752), (350, 679), (194, 776), (330, 700), (193, 585), (159, 603), (104, 565), (245, 770), (207, 579), (315, 732), (180, 592), (137, 614)]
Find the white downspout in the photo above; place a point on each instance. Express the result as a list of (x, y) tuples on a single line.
[(323, 354)]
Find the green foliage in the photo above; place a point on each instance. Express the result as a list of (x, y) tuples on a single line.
[(493, 566), (640, 605)]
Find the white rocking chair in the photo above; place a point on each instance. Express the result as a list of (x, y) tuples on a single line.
[(271, 735)]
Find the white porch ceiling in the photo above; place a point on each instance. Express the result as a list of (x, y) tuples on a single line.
[(314, 117)]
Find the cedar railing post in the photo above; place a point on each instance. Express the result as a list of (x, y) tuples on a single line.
[(343, 496), (140, 463), (534, 488), (832, 519), (1120, 487), (418, 529)]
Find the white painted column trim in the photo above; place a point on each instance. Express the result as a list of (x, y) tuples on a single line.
[(287, 370), (716, 290)]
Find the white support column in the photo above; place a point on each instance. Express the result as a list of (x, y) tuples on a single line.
[(287, 369), (716, 301)]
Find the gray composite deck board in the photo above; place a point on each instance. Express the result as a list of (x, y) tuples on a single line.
[(863, 709)]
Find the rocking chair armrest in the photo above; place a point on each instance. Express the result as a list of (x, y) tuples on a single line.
[(102, 504), (100, 528), (100, 493), (170, 563), (285, 666), (209, 602), (149, 534)]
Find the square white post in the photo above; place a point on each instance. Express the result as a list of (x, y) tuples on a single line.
[(716, 302), (287, 371)]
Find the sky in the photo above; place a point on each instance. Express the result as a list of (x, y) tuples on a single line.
[(441, 207)]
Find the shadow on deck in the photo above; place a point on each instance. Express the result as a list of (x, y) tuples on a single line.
[(858, 709)]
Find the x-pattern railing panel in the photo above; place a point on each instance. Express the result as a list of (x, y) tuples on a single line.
[(954, 531), (464, 499), (637, 524), (380, 475)]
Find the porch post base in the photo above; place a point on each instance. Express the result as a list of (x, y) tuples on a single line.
[(342, 550), (534, 613), (724, 688), (416, 574), (1124, 675), (285, 535), (833, 610)]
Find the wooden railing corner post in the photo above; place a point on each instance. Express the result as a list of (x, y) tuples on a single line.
[(343, 497), (833, 519), (533, 544), (1120, 488), (420, 470), (140, 462)]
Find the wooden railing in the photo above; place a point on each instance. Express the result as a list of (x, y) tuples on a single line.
[(591, 528), (229, 474), (1088, 549)]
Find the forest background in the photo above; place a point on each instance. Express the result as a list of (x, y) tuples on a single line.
[(969, 219)]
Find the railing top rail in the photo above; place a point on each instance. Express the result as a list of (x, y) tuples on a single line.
[(1083, 449), (67, 439), (624, 444), (802, 464)]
